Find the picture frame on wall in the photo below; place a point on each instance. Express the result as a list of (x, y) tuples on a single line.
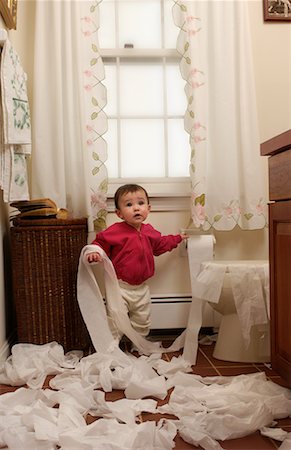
[(8, 10), (279, 10)]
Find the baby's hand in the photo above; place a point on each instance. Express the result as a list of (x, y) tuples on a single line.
[(94, 258), (184, 236)]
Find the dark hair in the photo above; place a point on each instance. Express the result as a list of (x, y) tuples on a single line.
[(125, 189)]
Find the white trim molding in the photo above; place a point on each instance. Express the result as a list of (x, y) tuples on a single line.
[(161, 202)]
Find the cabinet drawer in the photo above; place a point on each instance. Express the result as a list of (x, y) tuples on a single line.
[(280, 176)]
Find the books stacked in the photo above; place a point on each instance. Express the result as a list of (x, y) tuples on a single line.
[(38, 209)]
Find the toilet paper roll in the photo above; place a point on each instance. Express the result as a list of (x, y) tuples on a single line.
[(200, 249)]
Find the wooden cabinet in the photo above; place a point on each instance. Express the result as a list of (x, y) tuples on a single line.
[(279, 151), (45, 256)]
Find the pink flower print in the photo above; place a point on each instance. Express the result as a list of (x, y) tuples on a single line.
[(89, 142), (194, 72), (98, 200), (88, 87), (193, 78), (260, 208), (196, 84), (190, 19), (198, 139), (198, 125), (88, 73), (198, 214), (87, 33), (89, 128), (200, 211), (228, 211), (87, 19), (193, 32)]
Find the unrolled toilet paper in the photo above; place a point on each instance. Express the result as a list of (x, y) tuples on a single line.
[(200, 248), (94, 312)]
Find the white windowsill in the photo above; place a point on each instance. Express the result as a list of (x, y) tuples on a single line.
[(161, 202), (139, 53), (165, 194)]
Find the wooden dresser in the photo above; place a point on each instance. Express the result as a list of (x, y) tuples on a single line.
[(279, 151)]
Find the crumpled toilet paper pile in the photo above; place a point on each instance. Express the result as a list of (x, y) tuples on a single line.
[(204, 409)]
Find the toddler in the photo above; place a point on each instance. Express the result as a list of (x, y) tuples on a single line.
[(131, 246)]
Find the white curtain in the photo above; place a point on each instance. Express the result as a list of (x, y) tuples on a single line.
[(68, 118), (228, 176)]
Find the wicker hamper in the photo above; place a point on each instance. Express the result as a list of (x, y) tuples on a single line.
[(45, 256)]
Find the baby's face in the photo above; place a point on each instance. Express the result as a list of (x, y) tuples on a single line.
[(133, 208)]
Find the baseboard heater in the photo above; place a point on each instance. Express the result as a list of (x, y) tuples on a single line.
[(170, 312)]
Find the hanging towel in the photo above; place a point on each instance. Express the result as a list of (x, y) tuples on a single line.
[(15, 106), (15, 126)]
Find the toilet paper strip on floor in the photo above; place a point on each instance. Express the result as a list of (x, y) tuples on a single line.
[(206, 409)]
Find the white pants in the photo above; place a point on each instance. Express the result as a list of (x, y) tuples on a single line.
[(137, 301)]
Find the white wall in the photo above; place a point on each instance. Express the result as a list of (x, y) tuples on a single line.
[(271, 43)]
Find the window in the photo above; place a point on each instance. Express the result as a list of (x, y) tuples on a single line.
[(145, 93)]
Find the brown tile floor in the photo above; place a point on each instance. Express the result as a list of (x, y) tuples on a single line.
[(207, 365)]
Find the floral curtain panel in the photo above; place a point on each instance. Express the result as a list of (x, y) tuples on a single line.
[(69, 150), (228, 176)]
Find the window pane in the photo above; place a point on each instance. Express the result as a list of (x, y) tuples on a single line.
[(179, 149), (140, 23), (142, 148), (110, 83), (106, 32), (111, 139), (136, 90), (176, 97), (141, 89), (171, 30)]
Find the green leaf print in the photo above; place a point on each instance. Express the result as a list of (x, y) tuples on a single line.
[(217, 217), (94, 115), (95, 170), (200, 200)]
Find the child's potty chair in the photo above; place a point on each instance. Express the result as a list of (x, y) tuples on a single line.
[(244, 332)]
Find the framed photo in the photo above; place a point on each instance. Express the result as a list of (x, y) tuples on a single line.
[(8, 10), (277, 10)]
